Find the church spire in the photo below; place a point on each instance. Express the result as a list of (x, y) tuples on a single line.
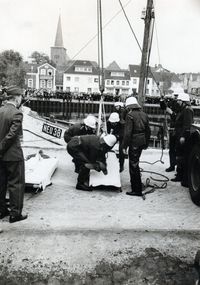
[(59, 38)]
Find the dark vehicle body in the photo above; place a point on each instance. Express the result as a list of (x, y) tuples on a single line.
[(194, 164)]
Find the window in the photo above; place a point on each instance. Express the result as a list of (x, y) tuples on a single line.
[(76, 89), (43, 71), (96, 80), (76, 79), (68, 78), (147, 91), (68, 89), (148, 81), (108, 82), (50, 72), (30, 82), (134, 80), (123, 82), (112, 82), (117, 73), (89, 79), (117, 82), (89, 90), (49, 84), (42, 84), (127, 82)]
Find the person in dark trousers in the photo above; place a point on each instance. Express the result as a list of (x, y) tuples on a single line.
[(183, 125), (12, 173), (136, 138), (172, 108), (116, 128), (88, 127), (90, 153)]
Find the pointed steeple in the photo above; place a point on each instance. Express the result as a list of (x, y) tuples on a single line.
[(59, 38)]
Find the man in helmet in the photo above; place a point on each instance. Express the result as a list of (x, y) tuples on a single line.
[(183, 124), (115, 127), (119, 108), (12, 172), (90, 153), (88, 127), (136, 138)]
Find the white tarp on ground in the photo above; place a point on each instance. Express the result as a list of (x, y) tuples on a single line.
[(113, 176), (39, 170)]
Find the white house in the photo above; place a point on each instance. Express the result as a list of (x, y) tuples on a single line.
[(40, 76), (81, 76)]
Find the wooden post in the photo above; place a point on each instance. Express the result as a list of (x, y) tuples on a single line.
[(145, 52)]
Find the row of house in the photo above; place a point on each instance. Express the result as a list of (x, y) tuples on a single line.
[(83, 76)]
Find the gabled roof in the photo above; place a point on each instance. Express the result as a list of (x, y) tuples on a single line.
[(31, 67), (108, 74), (134, 70), (113, 66), (71, 64)]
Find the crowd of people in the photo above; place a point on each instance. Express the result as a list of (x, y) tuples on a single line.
[(127, 124)]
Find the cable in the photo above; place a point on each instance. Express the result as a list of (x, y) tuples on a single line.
[(130, 25)]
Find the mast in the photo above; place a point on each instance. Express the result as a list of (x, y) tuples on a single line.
[(147, 41)]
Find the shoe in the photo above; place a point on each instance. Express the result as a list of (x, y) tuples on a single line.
[(83, 187), (132, 193), (185, 184), (4, 214), (176, 179), (170, 169), (14, 219)]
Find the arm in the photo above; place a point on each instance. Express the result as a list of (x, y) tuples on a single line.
[(13, 134), (128, 129)]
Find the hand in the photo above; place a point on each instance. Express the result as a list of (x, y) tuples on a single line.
[(124, 151), (182, 140)]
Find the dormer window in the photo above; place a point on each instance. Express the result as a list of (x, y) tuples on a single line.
[(43, 71)]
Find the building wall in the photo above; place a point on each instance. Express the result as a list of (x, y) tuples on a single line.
[(58, 55), (87, 83)]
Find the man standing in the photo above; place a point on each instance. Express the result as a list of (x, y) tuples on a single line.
[(90, 153), (136, 137), (183, 124), (12, 172)]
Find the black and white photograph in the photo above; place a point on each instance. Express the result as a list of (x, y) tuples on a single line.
[(100, 142)]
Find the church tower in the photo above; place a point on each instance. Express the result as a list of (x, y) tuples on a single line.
[(58, 51)]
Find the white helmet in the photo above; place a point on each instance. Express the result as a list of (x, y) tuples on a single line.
[(90, 121), (114, 117), (131, 101), (183, 97), (110, 140), (119, 104)]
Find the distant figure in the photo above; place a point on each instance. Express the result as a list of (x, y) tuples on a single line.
[(116, 128), (183, 125), (136, 138), (172, 109), (119, 108), (89, 152), (12, 173)]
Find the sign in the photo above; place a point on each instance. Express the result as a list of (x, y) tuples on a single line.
[(52, 131)]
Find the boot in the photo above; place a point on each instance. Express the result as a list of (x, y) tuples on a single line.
[(80, 186), (170, 169), (132, 193)]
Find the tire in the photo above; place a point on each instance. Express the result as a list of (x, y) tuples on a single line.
[(194, 174)]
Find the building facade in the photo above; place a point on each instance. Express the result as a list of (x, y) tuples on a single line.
[(81, 76), (40, 76)]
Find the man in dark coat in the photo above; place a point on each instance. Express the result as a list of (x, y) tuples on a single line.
[(90, 153), (88, 127), (12, 173), (136, 138), (184, 120)]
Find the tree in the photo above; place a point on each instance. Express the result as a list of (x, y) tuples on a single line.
[(41, 58), (12, 71)]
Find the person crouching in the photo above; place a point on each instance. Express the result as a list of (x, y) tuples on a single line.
[(89, 151)]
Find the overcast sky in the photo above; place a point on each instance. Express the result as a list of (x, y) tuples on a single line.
[(29, 25)]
